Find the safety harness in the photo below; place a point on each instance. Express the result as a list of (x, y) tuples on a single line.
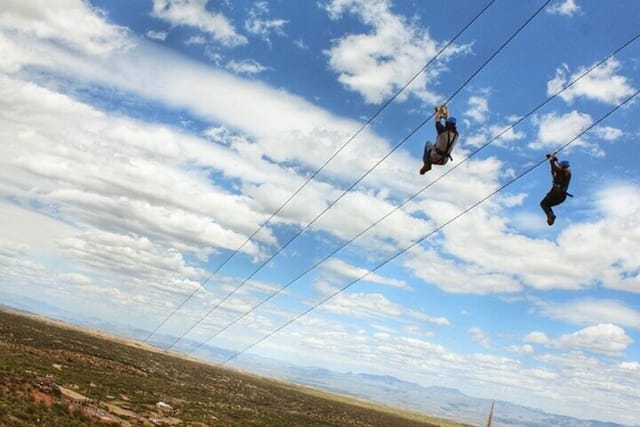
[(451, 136)]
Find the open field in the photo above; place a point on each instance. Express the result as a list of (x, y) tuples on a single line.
[(55, 375)]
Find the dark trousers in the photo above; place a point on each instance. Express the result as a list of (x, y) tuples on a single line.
[(426, 156), (553, 198)]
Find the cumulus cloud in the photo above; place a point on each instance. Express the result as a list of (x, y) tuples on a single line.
[(536, 337), (555, 130), (118, 195), (478, 109), (604, 338), (608, 133), (157, 35), (500, 135), (619, 201), (194, 13), (610, 242), (604, 84), (133, 258), (458, 277), (378, 64), (587, 311), (73, 23), (564, 7)]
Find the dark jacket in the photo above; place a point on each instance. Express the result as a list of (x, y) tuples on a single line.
[(561, 176)]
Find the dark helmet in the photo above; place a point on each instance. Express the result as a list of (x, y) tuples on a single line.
[(565, 164), (451, 120)]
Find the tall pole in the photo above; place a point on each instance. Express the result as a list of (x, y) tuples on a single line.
[(490, 419)]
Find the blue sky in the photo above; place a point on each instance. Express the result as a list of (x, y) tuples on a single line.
[(143, 143)]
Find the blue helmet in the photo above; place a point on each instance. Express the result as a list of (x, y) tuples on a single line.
[(451, 120), (565, 164)]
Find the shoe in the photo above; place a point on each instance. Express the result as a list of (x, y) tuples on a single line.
[(551, 219), (424, 169)]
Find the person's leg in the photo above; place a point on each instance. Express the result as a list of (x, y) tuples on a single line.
[(551, 199), (426, 158)]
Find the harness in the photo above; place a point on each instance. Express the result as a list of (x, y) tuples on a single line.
[(451, 139), (562, 188)]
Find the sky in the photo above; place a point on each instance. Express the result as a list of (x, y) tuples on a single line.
[(244, 175)]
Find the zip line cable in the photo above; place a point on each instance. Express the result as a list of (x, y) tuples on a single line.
[(464, 212), (313, 175), (498, 136), (345, 192)]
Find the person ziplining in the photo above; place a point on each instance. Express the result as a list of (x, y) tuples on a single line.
[(447, 136), (561, 176)]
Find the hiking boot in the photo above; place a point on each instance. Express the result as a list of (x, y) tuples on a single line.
[(424, 169), (551, 219)]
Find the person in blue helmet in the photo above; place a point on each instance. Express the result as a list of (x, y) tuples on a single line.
[(439, 153), (561, 175)]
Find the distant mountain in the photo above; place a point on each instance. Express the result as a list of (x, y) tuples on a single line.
[(438, 401)]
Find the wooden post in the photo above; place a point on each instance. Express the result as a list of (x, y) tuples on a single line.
[(490, 418)]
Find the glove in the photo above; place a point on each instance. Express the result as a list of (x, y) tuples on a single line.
[(442, 109)]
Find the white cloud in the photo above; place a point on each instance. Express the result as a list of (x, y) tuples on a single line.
[(376, 306), (564, 7), (133, 259), (247, 66), (608, 133), (603, 84), (195, 14), (157, 35), (470, 257), (480, 336), (458, 277), (604, 338), (378, 64), (363, 305), (440, 321), (589, 311), (352, 272), (196, 40), (619, 201), (74, 23), (500, 134), (276, 127), (276, 115), (81, 270), (555, 130), (139, 191), (478, 109), (631, 366), (42, 233), (258, 25), (524, 349), (536, 337), (609, 244)]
